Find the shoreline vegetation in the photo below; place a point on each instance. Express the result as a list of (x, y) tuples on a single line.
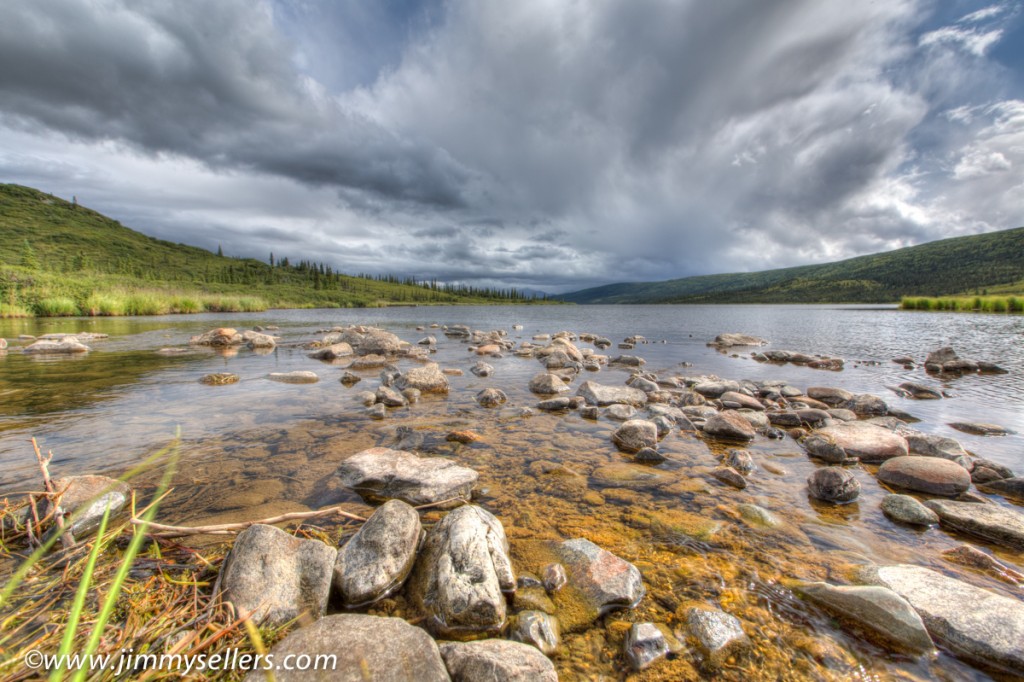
[(965, 304)]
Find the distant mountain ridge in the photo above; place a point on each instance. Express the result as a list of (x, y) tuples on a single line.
[(940, 268)]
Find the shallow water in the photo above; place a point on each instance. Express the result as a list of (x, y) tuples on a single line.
[(257, 448)]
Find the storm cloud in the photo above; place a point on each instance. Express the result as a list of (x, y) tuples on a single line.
[(546, 144)]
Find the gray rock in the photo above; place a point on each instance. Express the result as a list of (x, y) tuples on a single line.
[(833, 484), (931, 445), (648, 643), (730, 340), (377, 411), (981, 626), (906, 509), (554, 577), (383, 474), (921, 391), (714, 389), (547, 384), (758, 516), (649, 456), (429, 340), (86, 498), (1009, 487), (875, 608), (537, 629), (389, 397), (941, 356), (829, 396), (590, 412), (663, 425), (333, 352), (428, 379), (635, 435), (602, 396), (276, 577), (379, 342), (297, 377), (66, 346), (461, 574), (869, 442), (350, 379), (378, 558), (491, 397), (620, 413), (824, 448), (985, 470), (364, 647), (411, 395), (496, 660), (555, 404), (1000, 525), (627, 360), (718, 635), (932, 475), (742, 400), (604, 580), (257, 340), (482, 369), (729, 476), (740, 460), (980, 429), (866, 405), (729, 426)]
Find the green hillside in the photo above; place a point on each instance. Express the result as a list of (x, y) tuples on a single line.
[(60, 258), (950, 266)]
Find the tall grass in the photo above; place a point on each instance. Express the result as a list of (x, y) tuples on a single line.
[(974, 304), (59, 306), (8, 310)]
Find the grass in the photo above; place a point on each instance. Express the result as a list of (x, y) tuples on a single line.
[(9, 310), (975, 304)]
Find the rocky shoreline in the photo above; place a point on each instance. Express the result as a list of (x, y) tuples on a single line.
[(478, 614)]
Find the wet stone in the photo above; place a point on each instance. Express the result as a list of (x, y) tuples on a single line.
[(718, 635), (496, 660), (86, 498), (729, 426), (491, 397), (620, 413), (649, 456), (648, 643), (981, 429), (547, 384), (741, 461), (554, 577), (833, 484), (635, 435), (537, 629), (729, 476), (869, 442), (381, 473), (757, 516), (555, 404), (906, 509), (603, 396), (297, 377), (992, 522), (219, 379), (604, 580), (932, 475), (378, 558)]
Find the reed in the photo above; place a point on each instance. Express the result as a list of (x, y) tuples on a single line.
[(56, 307), (973, 304)]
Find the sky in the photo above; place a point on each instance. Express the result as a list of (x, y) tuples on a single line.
[(543, 144)]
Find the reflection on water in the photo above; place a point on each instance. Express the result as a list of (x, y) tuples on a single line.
[(258, 448)]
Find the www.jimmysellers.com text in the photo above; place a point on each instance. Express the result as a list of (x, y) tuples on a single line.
[(129, 661)]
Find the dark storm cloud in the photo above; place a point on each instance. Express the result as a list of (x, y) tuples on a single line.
[(556, 144)]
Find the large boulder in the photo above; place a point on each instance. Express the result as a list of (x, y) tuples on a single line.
[(869, 442), (729, 425), (605, 581), (378, 558), (428, 379), (981, 626), (462, 573), (379, 342), (874, 608), (992, 522), (384, 474), (275, 577), (69, 345), (932, 475), (602, 396), (363, 648), (496, 660)]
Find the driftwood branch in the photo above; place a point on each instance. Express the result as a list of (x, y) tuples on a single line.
[(164, 531), (66, 539)]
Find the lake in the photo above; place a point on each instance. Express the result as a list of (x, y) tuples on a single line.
[(257, 448)]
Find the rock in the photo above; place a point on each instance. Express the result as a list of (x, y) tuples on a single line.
[(869, 442), (377, 411), (874, 608), (411, 395), (482, 369), (461, 574), (921, 391), (866, 405), (729, 426), (464, 436), (381, 473), (1010, 487), (356, 643), (378, 558), (350, 379), (741, 400), (224, 336), (86, 498), (729, 476), (537, 629), (824, 448), (758, 516), (3, 343), (547, 384), (830, 396), (786, 420), (66, 346), (932, 475), (554, 577), (647, 643), (429, 340), (297, 377), (981, 626), (379, 342), (833, 484), (368, 362), (941, 356), (555, 404), (999, 525), (627, 360), (933, 446), (620, 413), (987, 471), (649, 456), (257, 340), (333, 352), (533, 599), (714, 389), (718, 635), (590, 412), (741, 461), (428, 379), (389, 397), (730, 340), (219, 379), (966, 555), (906, 509), (602, 396), (276, 577), (496, 660), (635, 434), (605, 581), (491, 397), (980, 429)]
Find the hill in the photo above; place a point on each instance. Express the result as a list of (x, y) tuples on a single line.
[(61, 258), (961, 265)]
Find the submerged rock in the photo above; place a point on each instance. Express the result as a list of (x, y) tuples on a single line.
[(537, 629), (298, 377), (382, 473), (648, 643), (378, 558), (833, 484), (604, 580), (496, 660), (635, 435), (491, 397), (980, 429), (729, 426), (276, 577), (718, 635), (981, 626), (991, 522), (219, 379), (461, 574), (906, 509), (365, 648), (730, 340)]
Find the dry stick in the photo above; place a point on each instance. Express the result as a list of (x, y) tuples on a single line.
[(66, 538), (165, 531)]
